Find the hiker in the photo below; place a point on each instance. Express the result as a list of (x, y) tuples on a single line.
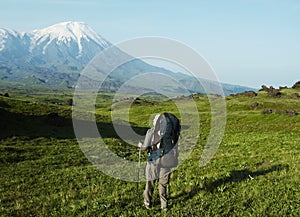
[(161, 145)]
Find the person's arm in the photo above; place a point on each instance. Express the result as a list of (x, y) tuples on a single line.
[(147, 141)]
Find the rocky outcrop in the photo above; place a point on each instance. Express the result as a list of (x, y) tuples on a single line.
[(254, 105), (296, 85), (295, 96), (272, 92)]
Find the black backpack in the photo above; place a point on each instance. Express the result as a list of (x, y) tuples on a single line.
[(169, 158), (176, 127)]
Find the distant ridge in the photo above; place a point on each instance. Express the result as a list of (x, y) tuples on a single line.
[(54, 56)]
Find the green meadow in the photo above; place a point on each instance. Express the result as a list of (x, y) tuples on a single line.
[(255, 171)]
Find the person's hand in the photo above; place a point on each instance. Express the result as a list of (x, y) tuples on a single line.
[(140, 144)]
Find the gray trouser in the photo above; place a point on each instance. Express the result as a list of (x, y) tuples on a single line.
[(153, 173)]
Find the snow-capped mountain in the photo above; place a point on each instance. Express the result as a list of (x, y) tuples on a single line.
[(13, 46), (67, 43), (54, 56), (7, 36), (74, 41), (66, 33)]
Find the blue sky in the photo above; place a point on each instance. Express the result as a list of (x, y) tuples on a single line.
[(247, 42)]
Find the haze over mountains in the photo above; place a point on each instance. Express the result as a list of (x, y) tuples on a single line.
[(54, 57)]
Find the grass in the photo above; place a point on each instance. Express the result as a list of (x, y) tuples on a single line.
[(44, 172)]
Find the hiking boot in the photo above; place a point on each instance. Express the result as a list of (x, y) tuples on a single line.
[(147, 204), (164, 209)]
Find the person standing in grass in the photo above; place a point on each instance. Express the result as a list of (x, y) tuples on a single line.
[(161, 144)]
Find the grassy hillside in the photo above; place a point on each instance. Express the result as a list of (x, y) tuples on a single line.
[(44, 172)]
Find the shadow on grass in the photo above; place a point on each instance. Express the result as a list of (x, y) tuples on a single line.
[(234, 177), (187, 195), (241, 175), (54, 126)]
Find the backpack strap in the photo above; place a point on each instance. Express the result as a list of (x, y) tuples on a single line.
[(156, 137)]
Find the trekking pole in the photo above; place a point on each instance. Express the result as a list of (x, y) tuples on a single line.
[(169, 187), (138, 173)]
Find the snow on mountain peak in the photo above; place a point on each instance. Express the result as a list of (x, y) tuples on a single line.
[(66, 32), (5, 34), (73, 43)]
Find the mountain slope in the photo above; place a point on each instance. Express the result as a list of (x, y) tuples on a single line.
[(54, 57), (67, 43), (72, 43), (13, 47)]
